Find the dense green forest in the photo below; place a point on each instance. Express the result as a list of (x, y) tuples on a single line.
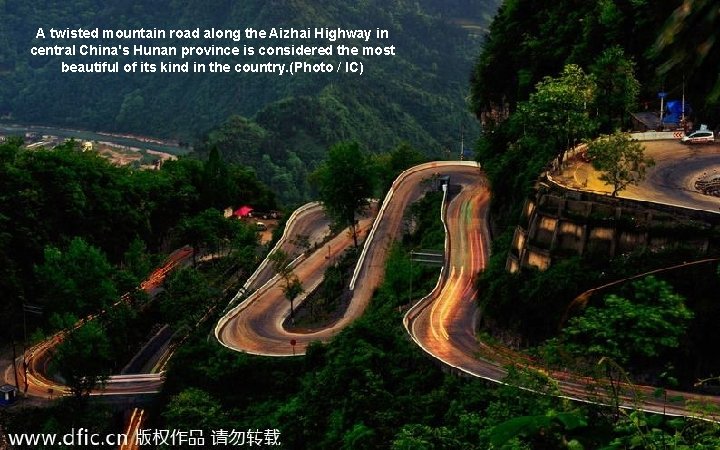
[(629, 49), (542, 92), (603, 59), (76, 231), (667, 40), (69, 220), (417, 96), (373, 388)]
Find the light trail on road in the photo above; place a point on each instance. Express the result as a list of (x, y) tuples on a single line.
[(256, 326), (457, 345), (38, 356), (444, 323)]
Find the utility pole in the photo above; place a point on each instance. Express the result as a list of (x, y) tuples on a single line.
[(32, 309), (462, 143), (682, 120), (17, 384), (662, 107)]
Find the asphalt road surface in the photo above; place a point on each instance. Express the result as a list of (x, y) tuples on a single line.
[(37, 357), (444, 323), (670, 181), (256, 327)]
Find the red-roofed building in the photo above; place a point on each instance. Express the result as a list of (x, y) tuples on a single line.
[(243, 211)]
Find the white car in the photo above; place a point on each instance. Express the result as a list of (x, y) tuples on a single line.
[(698, 137)]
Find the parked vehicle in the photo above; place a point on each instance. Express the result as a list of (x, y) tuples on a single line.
[(699, 137)]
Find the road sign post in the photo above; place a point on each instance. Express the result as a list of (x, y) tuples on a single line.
[(293, 342)]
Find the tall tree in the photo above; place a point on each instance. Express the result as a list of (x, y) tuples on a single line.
[(623, 329), (205, 231), (83, 358), (291, 290), (292, 286), (77, 280), (194, 409), (388, 166), (558, 111), (617, 87), (620, 158), (187, 297), (344, 182)]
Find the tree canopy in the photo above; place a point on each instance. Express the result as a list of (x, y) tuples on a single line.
[(617, 87), (559, 109), (654, 319), (79, 279), (621, 160), (345, 182), (83, 358)]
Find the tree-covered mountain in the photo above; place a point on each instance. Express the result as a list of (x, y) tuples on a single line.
[(418, 95), (666, 45), (552, 75), (670, 41)]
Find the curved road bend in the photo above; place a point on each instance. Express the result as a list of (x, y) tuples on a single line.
[(444, 323), (38, 357), (670, 181), (311, 222), (256, 327)]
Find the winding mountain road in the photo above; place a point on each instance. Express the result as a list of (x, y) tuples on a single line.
[(256, 325), (443, 323), (37, 358)]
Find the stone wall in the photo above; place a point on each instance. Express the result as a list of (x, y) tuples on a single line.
[(558, 222)]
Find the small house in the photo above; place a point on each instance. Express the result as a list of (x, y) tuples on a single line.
[(8, 394)]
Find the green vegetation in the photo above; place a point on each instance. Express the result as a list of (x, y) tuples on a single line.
[(654, 320), (184, 301), (528, 308), (78, 280), (617, 87), (292, 286), (69, 217), (560, 113), (621, 160), (373, 388), (370, 387), (532, 39), (574, 70), (78, 232), (324, 305), (558, 110), (344, 184), (278, 125), (83, 359)]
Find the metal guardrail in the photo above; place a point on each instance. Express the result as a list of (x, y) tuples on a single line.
[(400, 178), (243, 290), (417, 308), (361, 260), (657, 135), (293, 217)]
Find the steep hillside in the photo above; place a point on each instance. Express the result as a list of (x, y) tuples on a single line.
[(669, 40), (418, 95)]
